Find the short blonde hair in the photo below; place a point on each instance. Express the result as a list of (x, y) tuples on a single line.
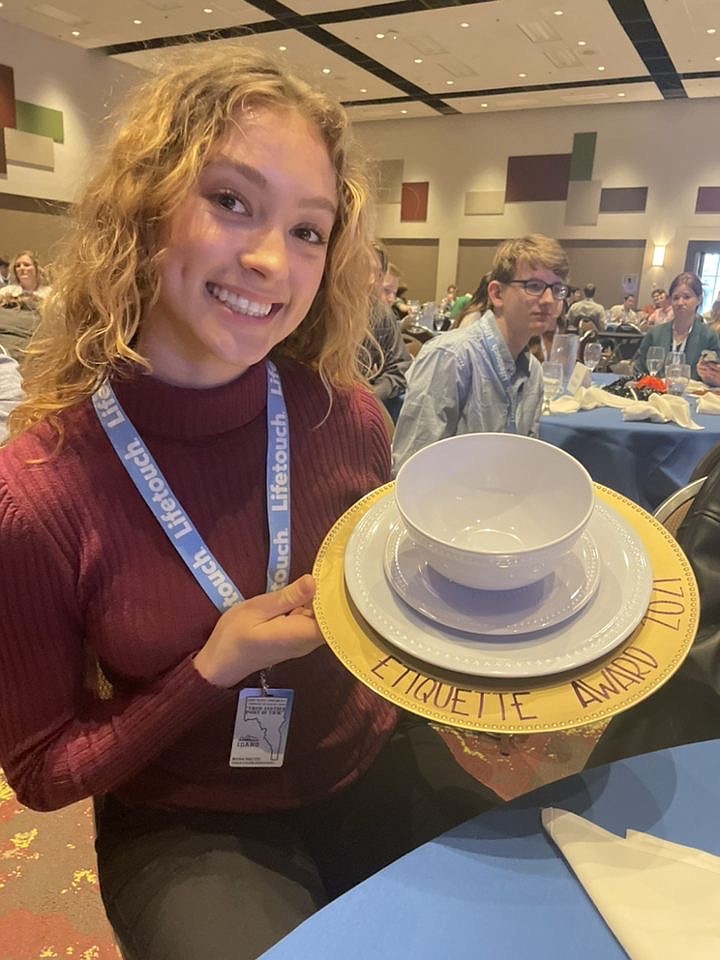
[(536, 249), (107, 270)]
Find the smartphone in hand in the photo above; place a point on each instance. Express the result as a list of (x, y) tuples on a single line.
[(710, 356)]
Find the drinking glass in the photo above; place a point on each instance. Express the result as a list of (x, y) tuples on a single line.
[(592, 355), (674, 357), (552, 383), (677, 377), (564, 351), (654, 360)]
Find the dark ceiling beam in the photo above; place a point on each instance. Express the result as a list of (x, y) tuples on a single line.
[(635, 19)]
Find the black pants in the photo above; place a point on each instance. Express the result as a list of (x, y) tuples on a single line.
[(195, 885)]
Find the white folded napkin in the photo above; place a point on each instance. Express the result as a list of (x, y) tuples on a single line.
[(709, 403), (662, 409), (587, 398), (660, 899)]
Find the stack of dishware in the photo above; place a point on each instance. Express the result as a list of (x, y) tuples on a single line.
[(493, 557)]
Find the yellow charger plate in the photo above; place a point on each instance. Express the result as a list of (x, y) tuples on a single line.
[(597, 691)]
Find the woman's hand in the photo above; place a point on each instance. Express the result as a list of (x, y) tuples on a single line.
[(260, 632), (709, 373)]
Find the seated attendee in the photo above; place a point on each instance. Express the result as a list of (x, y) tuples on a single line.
[(625, 313), (587, 307), (686, 332), (482, 378), (477, 305), (687, 708), (17, 325), (662, 310), (10, 389), (712, 317), (4, 271), (27, 287), (394, 294), (385, 356)]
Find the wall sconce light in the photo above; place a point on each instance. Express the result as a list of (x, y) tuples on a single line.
[(658, 257)]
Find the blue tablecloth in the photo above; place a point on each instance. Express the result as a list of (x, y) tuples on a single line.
[(644, 461), (497, 886)]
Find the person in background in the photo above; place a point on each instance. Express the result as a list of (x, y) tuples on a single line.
[(482, 378), (449, 299), (201, 348), (393, 294), (26, 287), (685, 333), (4, 271), (10, 389), (385, 354), (587, 307), (662, 311), (477, 306), (625, 313), (712, 317), (20, 300)]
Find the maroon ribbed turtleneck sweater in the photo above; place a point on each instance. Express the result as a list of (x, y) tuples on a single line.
[(84, 565)]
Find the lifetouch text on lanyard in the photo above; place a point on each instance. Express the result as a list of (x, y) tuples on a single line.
[(248, 749)]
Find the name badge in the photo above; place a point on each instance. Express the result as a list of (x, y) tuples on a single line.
[(261, 729)]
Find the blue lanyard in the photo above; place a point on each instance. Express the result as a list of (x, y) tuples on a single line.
[(500, 370), (155, 491)]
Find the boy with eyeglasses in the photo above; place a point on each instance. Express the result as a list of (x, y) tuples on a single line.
[(481, 378)]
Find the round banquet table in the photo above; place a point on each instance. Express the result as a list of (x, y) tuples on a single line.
[(642, 460), (497, 886)]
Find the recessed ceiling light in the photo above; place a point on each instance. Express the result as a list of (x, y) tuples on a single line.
[(558, 13), (137, 22), (403, 111), (418, 60), (326, 70), (363, 89), (582, 43), (76, 33), (712, 30), (522, 74), (380, 36), (464, 24), (449, 82), (717, 59), (283, 48), (601, 68), (621, 94), (207, 10), (483, 104)]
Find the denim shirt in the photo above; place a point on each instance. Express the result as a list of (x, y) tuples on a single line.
[(453, 389)]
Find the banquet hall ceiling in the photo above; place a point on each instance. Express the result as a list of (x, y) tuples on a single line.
[(418, 58)]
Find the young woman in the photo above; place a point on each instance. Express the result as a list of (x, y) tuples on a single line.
[(25, 280), (194, 424), (685, 333)]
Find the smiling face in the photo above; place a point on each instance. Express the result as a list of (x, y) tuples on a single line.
[(520, 315), (26, 272), (659, 299), (245, 251)]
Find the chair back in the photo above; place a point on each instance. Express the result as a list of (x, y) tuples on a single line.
[(675, 508), (707, 463)]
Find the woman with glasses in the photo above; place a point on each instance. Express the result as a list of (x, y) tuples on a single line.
[(481, 378)]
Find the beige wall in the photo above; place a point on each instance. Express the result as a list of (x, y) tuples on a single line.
[(86, 87), (417, 262), (671, 147)]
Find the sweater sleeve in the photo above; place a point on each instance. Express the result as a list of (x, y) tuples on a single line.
[(58, 743)]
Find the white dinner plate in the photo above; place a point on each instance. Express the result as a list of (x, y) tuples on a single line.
[(528, 609), (603, 623)]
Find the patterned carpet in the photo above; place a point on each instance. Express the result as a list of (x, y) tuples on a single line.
[(49, 899)]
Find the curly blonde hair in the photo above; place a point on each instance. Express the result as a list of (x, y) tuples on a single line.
[(107, 268)]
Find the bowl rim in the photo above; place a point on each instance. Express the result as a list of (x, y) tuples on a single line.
[(464, 552)]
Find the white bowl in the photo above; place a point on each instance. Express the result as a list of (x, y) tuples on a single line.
[(494, 511)]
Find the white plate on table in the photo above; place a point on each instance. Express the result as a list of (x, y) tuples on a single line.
[(602, 624), (492, 612)]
